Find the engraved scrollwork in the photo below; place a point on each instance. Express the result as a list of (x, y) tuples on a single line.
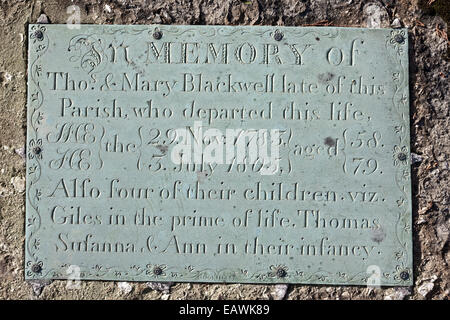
[(121, 31), (75, 159), (234, 31), (275, 274), (139, 163), (36, 243), (326, 32), (88, 50), (84, 134), (175, 31), (99, 270)]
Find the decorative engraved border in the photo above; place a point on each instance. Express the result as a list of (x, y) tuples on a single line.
[(89, 53), (38, 45), (397, 47), (189, 273)]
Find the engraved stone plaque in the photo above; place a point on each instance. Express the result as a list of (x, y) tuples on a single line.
[(218, 154)]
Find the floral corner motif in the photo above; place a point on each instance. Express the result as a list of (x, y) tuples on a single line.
[(400, 155), (37, 33), (278, 271), (402, 273), (277, 35), (156, 270), (34, 268), (35, 149), (397, 40), (37, 37)]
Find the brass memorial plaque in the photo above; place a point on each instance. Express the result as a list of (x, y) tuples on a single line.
[(218, 154)]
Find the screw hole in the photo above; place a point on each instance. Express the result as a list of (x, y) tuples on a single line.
[(404, 275), (36, 268), (39, 35), (281, 273), (401, 156), (157, 271), (278, 36), (399, 38), (157, 35), (37, 150)]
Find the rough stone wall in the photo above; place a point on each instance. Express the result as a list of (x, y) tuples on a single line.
[(430, 123)]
